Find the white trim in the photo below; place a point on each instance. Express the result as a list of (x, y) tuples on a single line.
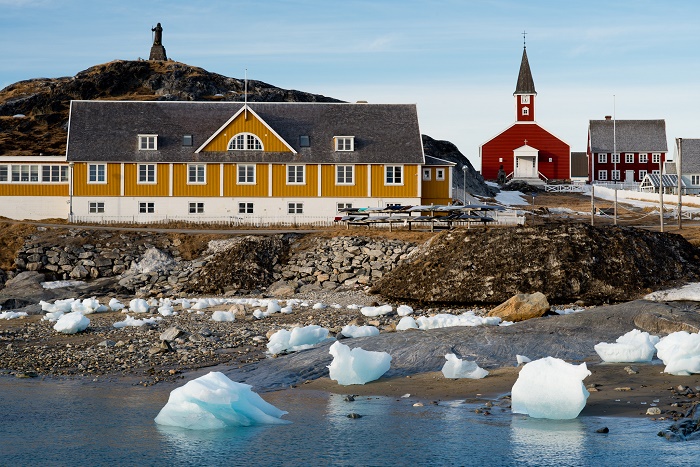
[(144, 137), (303, 174), (437, 174), (403, 175), (138, 174), (228, 122), (426, 174), (255, 174), (369, 180), (336, 139), (122, 189), (171, 182), (247, 135), (97, 182), (335, 175), (221, 179), (196, 164), (269, 180), (34, 159), (319, 184)]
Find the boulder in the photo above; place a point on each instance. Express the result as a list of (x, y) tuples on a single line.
[(521, 307)]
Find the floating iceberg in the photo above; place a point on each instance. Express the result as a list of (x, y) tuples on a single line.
[(680, 352), (359, 331), (356, 366), (71, 323), (296, 339), (550, 388), (457, 368), (635, 346), (213, 401)]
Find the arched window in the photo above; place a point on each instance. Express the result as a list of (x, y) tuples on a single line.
[(245, 142)]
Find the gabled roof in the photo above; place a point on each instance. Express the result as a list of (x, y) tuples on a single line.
[(430, 160), (108, 130), (628, 136), (667, 180), (525, 84), (690, 155)]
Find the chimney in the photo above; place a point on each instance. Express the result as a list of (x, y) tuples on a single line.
[(608, 117)]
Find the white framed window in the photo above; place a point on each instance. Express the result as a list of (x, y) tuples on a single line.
[(695, 179), (655, 172), (54, 173), (602, 175), (295, 208), (344, 143), (245, 142), (615, 175), (602, 158), (97, 173), (393, 175), (655, 158), (500, 159), (439, 175), (196, 208), (196, 174), (187, 140), (147, 207), (344, 174), (25, 173), (629, 158), (245, 174), (4, 173), (296, 175), (340, 206), (643, 158), (148, 142), (427, 174), (615, 158), (96, 207), (525, 99), (642, 174), (245, 208), (147, 173), (526, 111)]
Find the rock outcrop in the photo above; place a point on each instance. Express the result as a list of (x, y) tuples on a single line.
[(521, 307), (565, 262)]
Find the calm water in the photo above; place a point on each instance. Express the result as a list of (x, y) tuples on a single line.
[(74, 423)]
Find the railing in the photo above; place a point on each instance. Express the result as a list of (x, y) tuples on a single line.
[(568, 188), (233, 221), (542, 176), (629, 186)]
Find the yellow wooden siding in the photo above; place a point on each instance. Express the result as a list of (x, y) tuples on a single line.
[(435, 189), (271, 143), (82, 188), (282, 190), (407, 190), (330, 189), (133, 188), (33, 189), (231, 188), (211, 187)]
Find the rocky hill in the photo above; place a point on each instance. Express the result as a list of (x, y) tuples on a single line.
[(34, 113)]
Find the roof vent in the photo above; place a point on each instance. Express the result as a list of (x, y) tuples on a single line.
[(361, 102), (304, 141)]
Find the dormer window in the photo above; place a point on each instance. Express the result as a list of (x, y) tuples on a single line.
[(344, 143), (148, 142), (245, 142)]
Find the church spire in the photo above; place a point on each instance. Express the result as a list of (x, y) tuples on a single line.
[(525, 85)]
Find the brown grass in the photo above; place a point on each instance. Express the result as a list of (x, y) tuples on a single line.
[(11, 240)]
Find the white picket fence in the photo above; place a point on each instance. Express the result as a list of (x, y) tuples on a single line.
[(232, 221)]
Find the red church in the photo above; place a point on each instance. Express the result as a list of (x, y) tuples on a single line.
[(525, 150)]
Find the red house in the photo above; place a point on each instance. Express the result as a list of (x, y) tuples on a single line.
[(525, 150)]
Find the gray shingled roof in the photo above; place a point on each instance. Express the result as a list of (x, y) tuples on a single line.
[(525, 84), (668, 180), (108, 130), (630, 136), (690, 155), (430, 160)]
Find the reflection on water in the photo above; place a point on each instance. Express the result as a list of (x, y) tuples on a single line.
[(534, 440), (70, 423)]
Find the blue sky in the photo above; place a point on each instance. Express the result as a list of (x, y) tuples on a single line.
[(457, 60)]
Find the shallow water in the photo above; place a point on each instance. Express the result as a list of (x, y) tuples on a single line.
[(77, 423)]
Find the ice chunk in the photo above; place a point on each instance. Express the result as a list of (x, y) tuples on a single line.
[(407, 322), (404, 310), (522, 359), (59, 306), (71, 323), (457, 368), (115, 305), (213, 401), (223, 316), (131, 321), (139, 305), (680, 352), (318, 306), (635, 346), (88, 306), (376, 310), (12, 314), (446, 320), (550, 388), (259, 314), (296, 339), (356, 366), (689, 292), (273, 307), (185, 304), (359, 331)]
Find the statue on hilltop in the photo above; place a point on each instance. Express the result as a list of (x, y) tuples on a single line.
[(157, 50)]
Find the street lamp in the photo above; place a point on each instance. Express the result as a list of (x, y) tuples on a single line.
[(464, 185)]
